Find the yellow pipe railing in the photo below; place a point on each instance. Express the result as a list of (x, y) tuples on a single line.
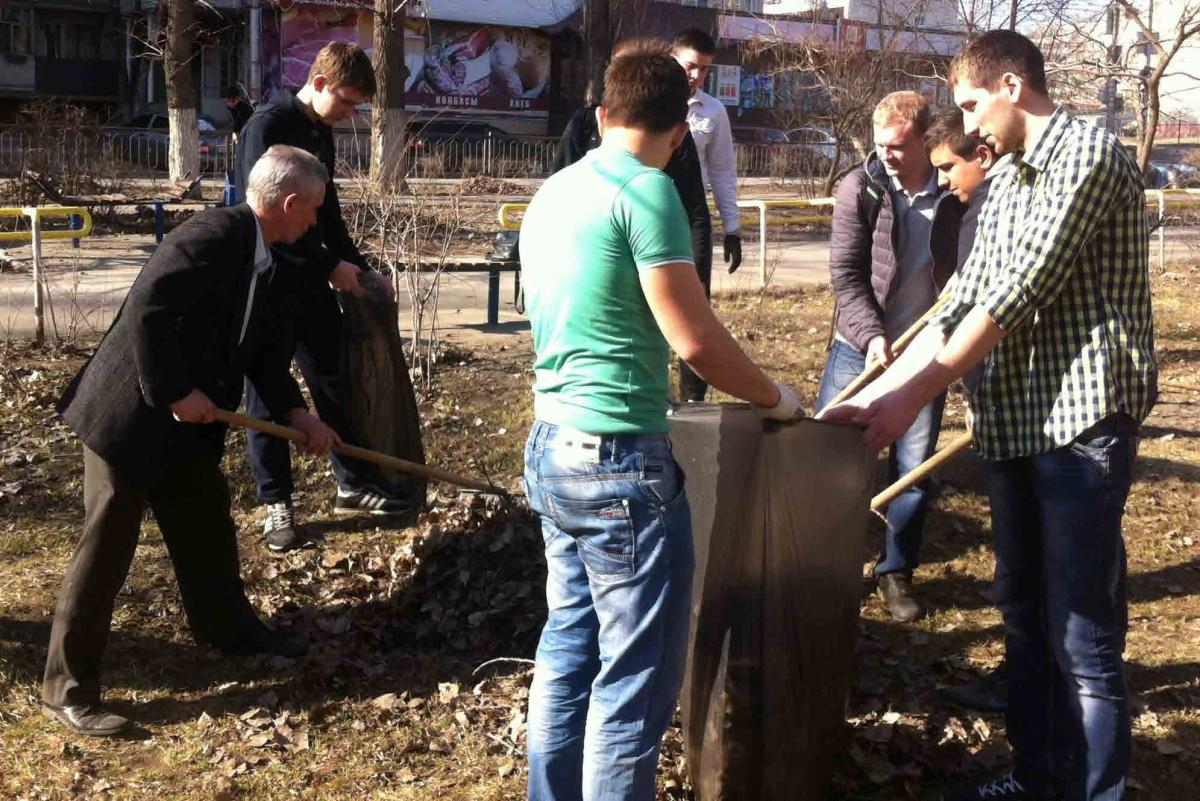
[(34, 236), (38, 212)]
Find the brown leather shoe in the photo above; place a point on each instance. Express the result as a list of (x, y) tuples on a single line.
[(90, 720), (896, 591)]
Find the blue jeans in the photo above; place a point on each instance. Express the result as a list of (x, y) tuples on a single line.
[(906, 514), (610, 662), (1060, 585)]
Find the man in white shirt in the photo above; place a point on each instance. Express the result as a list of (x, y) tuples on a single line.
[(694, 50)]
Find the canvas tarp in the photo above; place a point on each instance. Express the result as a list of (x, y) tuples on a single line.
[(779, 520)]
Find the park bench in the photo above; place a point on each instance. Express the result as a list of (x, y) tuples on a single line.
[(502, 259)]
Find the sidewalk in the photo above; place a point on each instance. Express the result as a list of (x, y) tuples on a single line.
[(88, 285)]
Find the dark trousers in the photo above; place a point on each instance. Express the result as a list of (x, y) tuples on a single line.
[(318, 355), (691, 386), (1060, 585), (191, 505)]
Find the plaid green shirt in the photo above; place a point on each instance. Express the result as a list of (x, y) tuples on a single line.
[(1060, 263)]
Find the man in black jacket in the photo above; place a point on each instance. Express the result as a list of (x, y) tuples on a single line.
[(203, 313), (239, 107), (582, 134), (325, 259), (893, 247)]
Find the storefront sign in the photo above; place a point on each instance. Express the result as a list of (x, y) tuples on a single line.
[(728, 83)]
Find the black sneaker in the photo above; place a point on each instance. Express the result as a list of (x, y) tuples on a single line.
[(280, 529), (896, 591), (988, 693), (1006, 788), (369, 500)]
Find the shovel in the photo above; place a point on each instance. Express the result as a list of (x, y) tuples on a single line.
[(436, 473)]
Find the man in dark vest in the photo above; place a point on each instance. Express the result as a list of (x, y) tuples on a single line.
[(893, 247), (203, 313)]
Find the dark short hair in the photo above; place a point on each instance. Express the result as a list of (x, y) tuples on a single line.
[(345, 64), (231, 92), (947, 130), (644, 87), (695, 39), (988, 56)]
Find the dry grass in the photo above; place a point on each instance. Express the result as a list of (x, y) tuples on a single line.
[(389, 704)]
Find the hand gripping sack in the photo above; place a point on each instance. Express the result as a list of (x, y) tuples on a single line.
[(779, 516)]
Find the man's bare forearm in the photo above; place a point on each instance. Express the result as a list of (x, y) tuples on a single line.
[(721, 362), (932, 362)]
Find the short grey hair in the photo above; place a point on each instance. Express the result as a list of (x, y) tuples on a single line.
[(284, 170)]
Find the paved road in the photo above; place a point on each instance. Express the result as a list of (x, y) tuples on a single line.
[(87, 286)]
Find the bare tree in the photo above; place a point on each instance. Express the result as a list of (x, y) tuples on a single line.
[(597, 37), (1150, 77), (388, 120), (1085, 57), (183, 141), (836, 87)]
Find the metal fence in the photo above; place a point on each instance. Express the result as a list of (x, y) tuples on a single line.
[(432, 158), (110, 154), (105, 153), (130, 152)]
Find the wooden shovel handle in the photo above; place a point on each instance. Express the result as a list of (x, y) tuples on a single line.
[(403, 465), (924, 469), (875, 369)]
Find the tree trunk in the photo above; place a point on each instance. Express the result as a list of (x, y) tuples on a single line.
[(183, 146), (388, 120), (1146, 146), (597, 34)]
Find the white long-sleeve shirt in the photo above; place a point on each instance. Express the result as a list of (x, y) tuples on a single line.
[(714, 141)]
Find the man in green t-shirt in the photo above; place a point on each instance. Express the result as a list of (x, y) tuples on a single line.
[(607, 258)]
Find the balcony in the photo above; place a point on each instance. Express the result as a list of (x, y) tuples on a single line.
[(83, 79)]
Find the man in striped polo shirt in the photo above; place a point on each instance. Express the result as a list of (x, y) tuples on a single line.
[(1055, 300)]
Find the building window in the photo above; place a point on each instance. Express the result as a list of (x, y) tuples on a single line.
[(14, 31), (89, 43), (77, 38)]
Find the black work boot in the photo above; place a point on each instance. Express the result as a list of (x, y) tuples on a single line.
[(896, 591)]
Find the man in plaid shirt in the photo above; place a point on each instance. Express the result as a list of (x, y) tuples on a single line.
[(1055, 300)]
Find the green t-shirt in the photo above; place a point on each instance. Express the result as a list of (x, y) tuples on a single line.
[(601, 361)]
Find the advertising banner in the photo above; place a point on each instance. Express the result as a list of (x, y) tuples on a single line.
[(452, 65), (460, 65), (728, 83)]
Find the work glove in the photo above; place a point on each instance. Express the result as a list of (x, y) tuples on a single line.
[(733, 252), (787, 408)]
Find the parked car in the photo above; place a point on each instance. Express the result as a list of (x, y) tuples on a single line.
[(815, 140), (755, 135), (144, 140)]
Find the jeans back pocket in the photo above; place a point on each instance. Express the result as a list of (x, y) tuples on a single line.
[(602, 529)]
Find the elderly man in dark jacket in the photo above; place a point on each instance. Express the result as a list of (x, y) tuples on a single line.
[(893, 247), (202, 314)]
